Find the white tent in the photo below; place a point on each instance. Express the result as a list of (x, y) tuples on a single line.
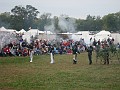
[(31, 32), (11, 30), (102, 35), (116, 37), (48, 32), (7, 30), (28, 34), (103, 32), (3, 29), (68, 33), (40, 32), (34, 32), (22, 31), (82, 35)]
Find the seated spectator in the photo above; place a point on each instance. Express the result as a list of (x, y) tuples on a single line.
[(25, 52)]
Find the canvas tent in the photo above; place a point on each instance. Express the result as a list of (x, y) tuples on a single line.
[(31, 32), (48, 35), (102, 35), (116, 37), (82, 35), (11, 30), (34, 32), (3, 29), (22, 31), (7, 30), (48, 32)]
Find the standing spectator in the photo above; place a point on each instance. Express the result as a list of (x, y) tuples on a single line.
[(94, 43), (99, 42)]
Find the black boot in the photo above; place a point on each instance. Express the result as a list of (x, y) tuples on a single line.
[(74, 61)]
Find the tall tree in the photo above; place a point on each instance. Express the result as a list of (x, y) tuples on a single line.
[(23, 17), (5, 19), (56, 21), (117, 16), (110, 22), (98, 25), (44, 20), (91, 23)]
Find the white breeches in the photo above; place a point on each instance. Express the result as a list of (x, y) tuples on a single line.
[(52, 60), (31, 58)]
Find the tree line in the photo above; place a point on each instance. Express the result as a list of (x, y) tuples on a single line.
[(27, 17)]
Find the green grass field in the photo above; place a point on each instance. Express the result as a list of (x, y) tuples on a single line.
[(17, 73)]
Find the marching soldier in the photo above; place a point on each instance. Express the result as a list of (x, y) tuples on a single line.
[(52, 54), (106, 54), (74, 49), (89, 50)]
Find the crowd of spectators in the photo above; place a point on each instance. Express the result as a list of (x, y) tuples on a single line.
[(22, 48), (41, 47)]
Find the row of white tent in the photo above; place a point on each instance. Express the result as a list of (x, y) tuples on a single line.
[(23, 31), (86, 35), (36, 31)]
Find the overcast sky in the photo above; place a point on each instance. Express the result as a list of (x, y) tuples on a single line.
[(72, 8)]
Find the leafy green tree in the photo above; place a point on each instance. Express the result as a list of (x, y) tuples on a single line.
[(5, 19), (23, 17), (117, 16), (30, 17), (44, 20), (98, 24), (56, 21), (80, 24), (91, 23), (88, 24), (110, 22)]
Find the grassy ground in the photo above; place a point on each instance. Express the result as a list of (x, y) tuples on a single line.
[(17, 73)]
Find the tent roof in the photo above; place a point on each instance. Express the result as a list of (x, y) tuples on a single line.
[(11, 30), (103, 32), (48, 32), (68, 33), (7, 30), (40, 32), (22, 31), (83, 32), (35, 31), (3, 29)]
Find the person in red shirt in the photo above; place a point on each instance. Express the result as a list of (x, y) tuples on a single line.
[(25, 52), (6, 50)]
